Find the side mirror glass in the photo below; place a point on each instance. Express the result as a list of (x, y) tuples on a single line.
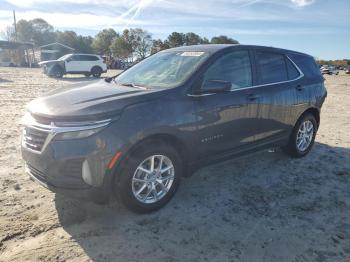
[(215, 86)]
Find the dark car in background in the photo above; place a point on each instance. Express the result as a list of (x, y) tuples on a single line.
[(137, 134)]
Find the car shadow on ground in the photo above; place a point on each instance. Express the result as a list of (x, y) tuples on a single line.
[(265, 206), (5, 80)]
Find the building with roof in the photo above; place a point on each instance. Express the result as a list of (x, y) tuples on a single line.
[(16, 53), (52, 51)]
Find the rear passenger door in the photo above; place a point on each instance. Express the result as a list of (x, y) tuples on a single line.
[(86, 62), (278, 82)]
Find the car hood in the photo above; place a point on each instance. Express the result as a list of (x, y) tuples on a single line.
[(94, 101), (48, 62)]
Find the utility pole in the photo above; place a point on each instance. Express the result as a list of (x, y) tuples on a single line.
[(15, 24)]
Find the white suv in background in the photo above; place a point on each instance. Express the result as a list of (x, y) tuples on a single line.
[(86, 64)]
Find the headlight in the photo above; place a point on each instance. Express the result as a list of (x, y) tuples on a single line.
[(77, 134)]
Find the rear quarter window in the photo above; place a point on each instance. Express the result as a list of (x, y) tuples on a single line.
[(307, 65), (293, 72)]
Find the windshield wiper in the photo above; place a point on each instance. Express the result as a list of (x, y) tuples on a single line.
[(131, 85), (127, 84)]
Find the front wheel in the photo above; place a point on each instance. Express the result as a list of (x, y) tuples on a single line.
[(303, 136), (150, 178), (57, 72)]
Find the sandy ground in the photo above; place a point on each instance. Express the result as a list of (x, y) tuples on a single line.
[(266, 207)]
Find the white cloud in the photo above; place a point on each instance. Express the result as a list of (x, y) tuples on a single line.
[(66, 20), (302, 3)]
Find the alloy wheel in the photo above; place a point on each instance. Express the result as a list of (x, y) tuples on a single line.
[(153, 179), (305, 135)]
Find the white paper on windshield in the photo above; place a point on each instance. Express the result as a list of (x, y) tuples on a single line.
[(192, 53)]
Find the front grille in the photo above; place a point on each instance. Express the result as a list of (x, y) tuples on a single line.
[(36, 173), (34, 138)]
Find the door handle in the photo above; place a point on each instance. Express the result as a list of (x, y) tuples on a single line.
[(299, 87), (252, 97)]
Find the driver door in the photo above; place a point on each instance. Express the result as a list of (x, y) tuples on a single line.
[(227, 120), (73, 64)]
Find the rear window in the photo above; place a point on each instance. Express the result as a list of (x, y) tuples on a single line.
[(272, 67)]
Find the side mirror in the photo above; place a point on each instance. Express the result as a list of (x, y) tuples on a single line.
[(215, 86), (68, 60)]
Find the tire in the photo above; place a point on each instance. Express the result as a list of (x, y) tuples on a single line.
[(57, 72), (131, 176), (96, 71), (297, 148)]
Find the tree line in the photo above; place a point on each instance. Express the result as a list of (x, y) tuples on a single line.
[(338, 63), (130, 44)]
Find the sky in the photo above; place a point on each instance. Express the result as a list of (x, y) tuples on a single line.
[(318, 27)]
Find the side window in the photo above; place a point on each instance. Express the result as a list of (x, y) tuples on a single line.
[(84, 58), (272, 67), (75, 58), (293, 73), (92, 58), (234, 67)]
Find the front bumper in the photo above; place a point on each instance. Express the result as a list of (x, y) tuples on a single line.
[(87, 193), (76, 167)]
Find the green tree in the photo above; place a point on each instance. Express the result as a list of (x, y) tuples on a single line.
[(141, 42), (43, 32), (159, 45), (223, 39), (192, 39), (121, 48), (36, 30), (103, 40), (176, 39), (81, 44)]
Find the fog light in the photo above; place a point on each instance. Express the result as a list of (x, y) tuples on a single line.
[(87, 173)]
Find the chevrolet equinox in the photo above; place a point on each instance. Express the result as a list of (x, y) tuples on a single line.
[(138, 133)]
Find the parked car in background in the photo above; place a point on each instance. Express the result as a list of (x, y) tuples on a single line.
[(86, 64), (347, 70), (329, 70), (138, 133)]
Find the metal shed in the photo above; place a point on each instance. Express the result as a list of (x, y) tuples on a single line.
[(52, 51)]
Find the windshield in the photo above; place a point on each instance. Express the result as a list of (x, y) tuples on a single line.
[(164, 69), (64, 57)]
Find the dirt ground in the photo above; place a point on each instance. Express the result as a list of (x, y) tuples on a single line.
[(265, 207)]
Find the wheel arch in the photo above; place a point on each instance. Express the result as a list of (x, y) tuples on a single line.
[(314, 111), (96, 66), (168, 139), (165, 138)]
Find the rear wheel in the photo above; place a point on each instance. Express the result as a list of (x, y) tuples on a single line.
[(150, 178), (96, 71), (303, 136)]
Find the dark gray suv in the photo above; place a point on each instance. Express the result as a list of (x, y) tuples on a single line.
[(138, 133)]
